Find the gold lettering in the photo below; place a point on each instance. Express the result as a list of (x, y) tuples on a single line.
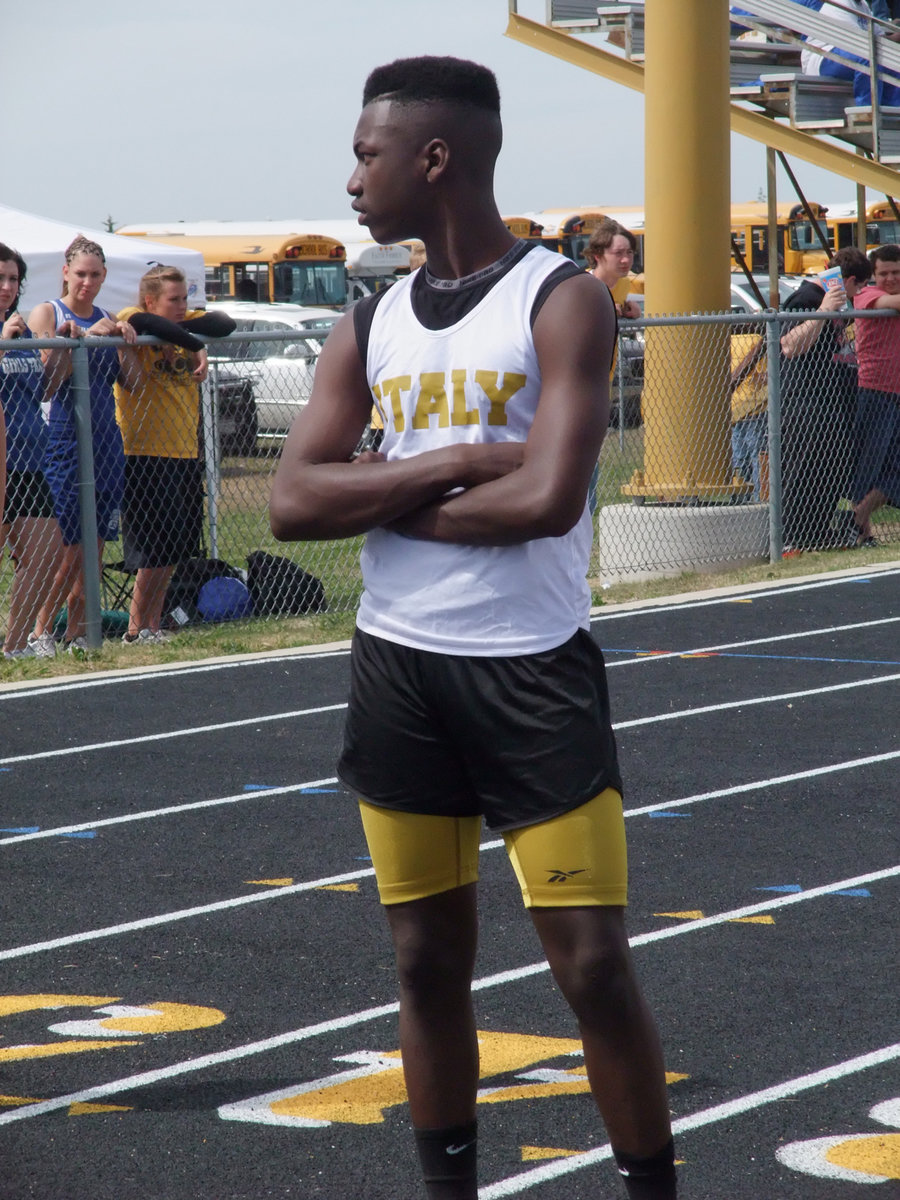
[(432, 400), (460, 415), (392, 389), (499, 396)]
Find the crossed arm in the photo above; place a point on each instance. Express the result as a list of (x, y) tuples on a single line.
[(511, 492)]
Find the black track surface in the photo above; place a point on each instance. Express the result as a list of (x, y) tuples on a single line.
[(759, 741)]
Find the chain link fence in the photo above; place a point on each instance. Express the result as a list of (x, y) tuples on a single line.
[(733, 439)]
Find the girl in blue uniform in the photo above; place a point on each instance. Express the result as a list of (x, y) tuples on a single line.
[(83, 276), (28, 528)]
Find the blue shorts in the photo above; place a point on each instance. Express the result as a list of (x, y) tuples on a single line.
[(68, 514)]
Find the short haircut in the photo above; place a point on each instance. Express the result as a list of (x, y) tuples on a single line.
[(7, 254), (152, 281), (602, 238), (888, 253), (853, 264), (431, 78)]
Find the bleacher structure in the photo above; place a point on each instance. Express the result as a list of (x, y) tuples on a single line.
[(766, 43)]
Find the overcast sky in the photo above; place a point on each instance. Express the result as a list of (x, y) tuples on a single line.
[(233, 109)]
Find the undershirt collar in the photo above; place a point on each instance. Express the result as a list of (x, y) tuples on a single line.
[(495, 268)]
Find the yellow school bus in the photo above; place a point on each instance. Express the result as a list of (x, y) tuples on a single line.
[(568, 230), (307, 269), (800, 251), (523, 227), (882, 226)]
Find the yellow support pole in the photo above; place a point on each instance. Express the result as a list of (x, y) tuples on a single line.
[(686, 409)]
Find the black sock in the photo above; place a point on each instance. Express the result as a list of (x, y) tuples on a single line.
[(649, 1178), (449, 1161)]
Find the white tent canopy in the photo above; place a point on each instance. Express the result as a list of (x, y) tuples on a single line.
[(42, 243)]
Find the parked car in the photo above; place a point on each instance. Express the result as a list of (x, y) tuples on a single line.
[(237, 420), (744, 299), (279, 372)]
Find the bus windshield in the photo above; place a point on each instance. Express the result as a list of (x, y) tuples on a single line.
[(309, 283)]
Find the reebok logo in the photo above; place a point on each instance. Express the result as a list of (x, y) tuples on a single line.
[(559, 876), (459, 1149)]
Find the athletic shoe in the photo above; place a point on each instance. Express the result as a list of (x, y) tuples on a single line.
[(25, 652), (78, 647), (43, 645), (146, 637)]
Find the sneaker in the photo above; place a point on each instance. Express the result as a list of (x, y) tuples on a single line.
[(43, 645), (78, 647), (146, 637), (25, 652)]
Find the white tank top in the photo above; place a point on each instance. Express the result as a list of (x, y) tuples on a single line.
[(476, 381)]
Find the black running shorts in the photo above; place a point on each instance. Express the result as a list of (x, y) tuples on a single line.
[(516, 740)]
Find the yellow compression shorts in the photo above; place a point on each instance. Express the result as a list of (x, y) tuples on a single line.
[(577, 858)]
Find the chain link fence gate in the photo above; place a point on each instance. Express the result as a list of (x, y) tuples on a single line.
[(733, 438)]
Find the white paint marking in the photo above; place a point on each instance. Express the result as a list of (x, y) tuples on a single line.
[(172, 733), (149, 813), (782, 697), (515, 1184), (653, 656), (217, 906), (351, 1020), (731, 595), (11, 692), (220, 727), (809, 1157)]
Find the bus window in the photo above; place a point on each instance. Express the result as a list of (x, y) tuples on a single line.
[(882, 233)]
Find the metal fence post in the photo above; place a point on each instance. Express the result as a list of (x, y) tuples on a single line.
[(209, 410), (87, 496), (773, 362)]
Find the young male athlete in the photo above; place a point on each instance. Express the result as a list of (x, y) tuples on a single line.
[(477, 691)]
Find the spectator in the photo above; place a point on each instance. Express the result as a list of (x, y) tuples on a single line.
[(877, 480), (83, 275), (749, 402), (28, 527), (814, 63), (610, 254), (818, 397), (158, 407)]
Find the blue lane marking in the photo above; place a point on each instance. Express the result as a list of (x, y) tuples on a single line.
[(854, 892), (786, 887), (23, 829), (862, 662), (259, 787), (82, 833), (674, 815), (317, 791)]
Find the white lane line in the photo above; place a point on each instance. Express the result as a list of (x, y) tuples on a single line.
[(150, 813), (653, 656), (733, 595), (140, 674), (265, 793), (182, 914), (118, 743), (513, 1185), (351, 1020), (754, 700), (221, 726)]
